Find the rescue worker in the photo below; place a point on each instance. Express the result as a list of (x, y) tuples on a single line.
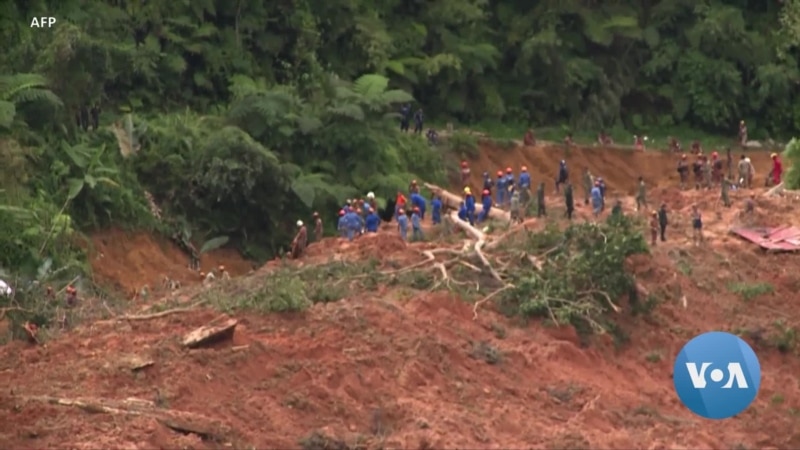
[(364, 207), (674, 145), (683, 171), (400, 203), (405, 117), (416, 225), (524, 200), (744, 169), (616, 210), (563, 174), (529, 138), (469, 202), (662, 221), (777, 169), (706, 173), (486, 202), (725, 186), (207, 278), (501, 188), (300, 240), (465, 172), (488, 183), (641, 195), (697, 170), (436, 206), (510, 180), (371, 200), (223, 273), (654, 228), (568, 141), (340, 225), (524, 178), (597, 199), (697, 149), (418, 201), (569, 200), (588, 184), (514, 208), (462, 212), (372, 221), (742, 133), (638, 142), (602, 192), (402, 224), (413, 188), (318, 229), (697, 225), (716, 168), (419, 120), (353, 224), (540, 205)]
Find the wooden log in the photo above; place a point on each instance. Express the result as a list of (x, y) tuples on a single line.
[(452, 200), (210, 333)]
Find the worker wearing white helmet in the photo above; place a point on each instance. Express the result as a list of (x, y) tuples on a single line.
[(371, 195), (300, 240)]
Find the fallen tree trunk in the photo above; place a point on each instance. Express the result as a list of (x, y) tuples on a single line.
[(480, 241), (452, 201)]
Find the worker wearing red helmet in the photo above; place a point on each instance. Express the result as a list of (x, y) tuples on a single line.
[(486, 202), (510, 180), (501, 188), (341, 225), (465, 172)]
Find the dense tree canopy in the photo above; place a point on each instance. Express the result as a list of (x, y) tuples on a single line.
[(237, 116)]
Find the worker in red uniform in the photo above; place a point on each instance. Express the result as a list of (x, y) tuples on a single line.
[(400, 203), (777, 169)]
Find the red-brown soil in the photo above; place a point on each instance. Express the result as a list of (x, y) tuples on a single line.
[(394, 367)]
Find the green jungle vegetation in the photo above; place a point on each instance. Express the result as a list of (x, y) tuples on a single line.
[(236, 118)]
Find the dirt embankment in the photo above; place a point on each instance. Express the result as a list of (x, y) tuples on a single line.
[(620, 167), (401, 368)]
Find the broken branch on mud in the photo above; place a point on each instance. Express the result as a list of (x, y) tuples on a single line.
[(181, 421)]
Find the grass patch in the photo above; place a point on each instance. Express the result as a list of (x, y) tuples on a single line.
[(749, 291)]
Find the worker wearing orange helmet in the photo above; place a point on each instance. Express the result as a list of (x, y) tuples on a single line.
[(71, 296), (500, 182), (399, 203), (524, 178), (341, 225), (486, 202), (777, 169), (510, 180)]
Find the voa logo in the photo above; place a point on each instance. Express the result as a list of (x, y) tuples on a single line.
[(717, 375)]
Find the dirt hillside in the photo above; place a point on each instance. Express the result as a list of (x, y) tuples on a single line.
[(404, 368)]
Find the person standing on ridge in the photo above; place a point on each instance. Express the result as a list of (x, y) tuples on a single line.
[(510, 180), (588, 184), (514, 208), (540, 206), (697, 226), (683, 171), (488, 183), (486, 202), (400, 203), (597, 199), (341, 226), (318, 229), (436, 209), (662, 221), (641, 195), (568, 141), (501, 188), (777, 169), (706, 173), (418, 202), (742, 134), (413, 188), (300, 240), (402, 224), (654, 228), (419, 119), (697, 169), (524, 178), (529, 138), (569, 200), (405, 117), (465, 173), (563, 174), (416, 225)]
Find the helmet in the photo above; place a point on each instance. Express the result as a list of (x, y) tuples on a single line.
[(299, 223), (341, 212), (714, 154), (655, 213), (485, 192), (741, 122), (372, 210), (463, 164), (370, 195), (524, 168), (467, 190), (508, 170), (401, 211), (499, 173), (486, 174), (221, 268), (202, 275), (316, 214), (683, 156), (414, 182), (415, 209), (773, 156)]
